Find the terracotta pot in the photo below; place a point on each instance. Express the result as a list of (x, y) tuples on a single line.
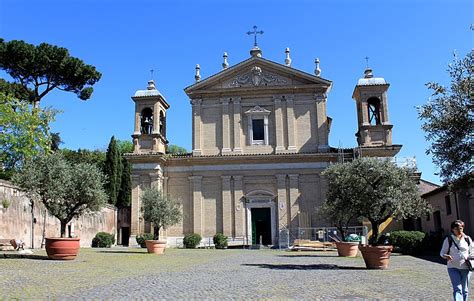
[(347, 249), (155, 246), (62, 248), (376, 257)]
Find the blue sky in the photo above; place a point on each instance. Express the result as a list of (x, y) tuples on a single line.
[(408, 42)]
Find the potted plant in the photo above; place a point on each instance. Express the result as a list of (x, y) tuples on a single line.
[(336, 208), (67, 191), (162, 212), (379, 190)]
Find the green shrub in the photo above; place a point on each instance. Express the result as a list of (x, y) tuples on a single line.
[(408, 242), (6, 203), (220, 241), (103, 240), (191, 241), (142, 237)]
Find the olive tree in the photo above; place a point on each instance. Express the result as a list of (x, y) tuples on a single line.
[(339, 197), (67, 190), (376, 190), (159, 209)]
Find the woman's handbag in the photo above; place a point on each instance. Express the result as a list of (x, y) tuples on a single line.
[(470, 264)]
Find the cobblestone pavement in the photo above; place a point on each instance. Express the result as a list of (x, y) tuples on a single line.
[(221, 274)]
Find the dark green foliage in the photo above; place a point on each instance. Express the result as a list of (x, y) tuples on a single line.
[(95, 157), (55, 141), (191, 241), (142, 237), (113, 170), (378, 190), (103, 240), (124, 146), (408, 242), (43, 68), (125, 193), (448, 121), (174, 149), (160, 210), (14, 90), (220, 241)]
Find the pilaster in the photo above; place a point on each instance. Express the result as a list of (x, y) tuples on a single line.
[(135, 210), (196, 105), (226, 206), (225, 126), (237, 126), (196, 183), (291, 124), (294, 200), (282, 201), (278, 125), (322, 123), (239, 206)]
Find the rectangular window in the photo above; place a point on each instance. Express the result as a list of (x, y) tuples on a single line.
[(257, 129), (428, 217), (447, 201)]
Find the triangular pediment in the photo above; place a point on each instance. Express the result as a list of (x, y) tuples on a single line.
[(256, 72)]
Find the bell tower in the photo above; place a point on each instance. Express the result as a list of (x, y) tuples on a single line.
[(374, 127), (149, 135)]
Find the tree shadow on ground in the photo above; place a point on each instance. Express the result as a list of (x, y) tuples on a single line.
[(321, 266), (307, 255), (24, 256), (431, 258), (123, 252)]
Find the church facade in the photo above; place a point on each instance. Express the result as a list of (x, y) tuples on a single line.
[(260, 142)]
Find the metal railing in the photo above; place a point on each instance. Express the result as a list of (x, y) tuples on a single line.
[(287, 237)]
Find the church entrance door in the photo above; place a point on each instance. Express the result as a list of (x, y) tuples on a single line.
[(261, 226)]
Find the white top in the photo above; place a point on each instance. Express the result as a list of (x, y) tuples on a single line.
[(459, 256)]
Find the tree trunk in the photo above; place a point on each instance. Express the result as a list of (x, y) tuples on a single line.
[(63, 229), (156, 232), (375, 232)]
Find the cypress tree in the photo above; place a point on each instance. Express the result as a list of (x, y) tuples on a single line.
[(125, 193), (113, 170)]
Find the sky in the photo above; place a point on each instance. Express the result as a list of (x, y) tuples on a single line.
[(409, 43)]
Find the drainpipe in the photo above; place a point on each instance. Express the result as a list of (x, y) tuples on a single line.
[(456, 202)]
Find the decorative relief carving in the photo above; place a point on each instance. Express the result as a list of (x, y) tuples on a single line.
[(257, 110), (257, 77), (320, 97)]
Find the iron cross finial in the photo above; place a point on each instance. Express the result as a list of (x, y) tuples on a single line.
[(255, 32), (151, 71), (367, 61)]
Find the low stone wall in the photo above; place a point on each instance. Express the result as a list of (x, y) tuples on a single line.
[(19, 221)]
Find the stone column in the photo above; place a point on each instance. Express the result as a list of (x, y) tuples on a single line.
[(237, 125), (226, 206), (196, 183), (155, 181), (239, 207), (135, 210), (282, 204), (290, 116), (294, 202), (196, 103), (225, 126), (278, 125)]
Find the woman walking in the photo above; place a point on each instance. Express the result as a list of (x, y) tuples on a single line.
[(457, 248)]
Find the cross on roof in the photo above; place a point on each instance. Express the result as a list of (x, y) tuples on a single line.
[(151, 71), (255, 32), (367, 61)]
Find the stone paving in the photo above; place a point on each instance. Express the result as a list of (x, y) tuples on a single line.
[(220, 275)]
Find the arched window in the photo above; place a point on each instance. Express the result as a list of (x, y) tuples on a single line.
[(373, 106), (162, 124), (147, 121)]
